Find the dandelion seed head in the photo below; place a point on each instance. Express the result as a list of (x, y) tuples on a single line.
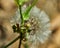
[(39, 21)]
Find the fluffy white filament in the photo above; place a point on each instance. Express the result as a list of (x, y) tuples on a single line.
[(43, 33)]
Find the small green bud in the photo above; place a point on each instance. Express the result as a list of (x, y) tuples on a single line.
[(14, 28)]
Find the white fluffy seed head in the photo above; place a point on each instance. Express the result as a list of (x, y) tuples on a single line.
[(41, 32)]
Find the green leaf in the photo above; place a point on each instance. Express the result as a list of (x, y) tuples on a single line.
[(20, 2), (26, 16), (17, 2), (26, 13)]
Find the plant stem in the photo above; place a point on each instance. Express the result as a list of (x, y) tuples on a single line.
[(12, 42), (19, 44), (20, 9), (22, 22), (20, 41)]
